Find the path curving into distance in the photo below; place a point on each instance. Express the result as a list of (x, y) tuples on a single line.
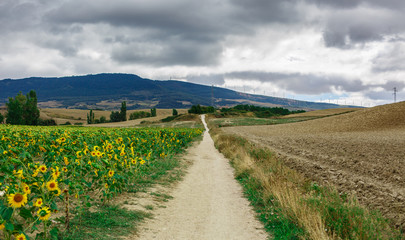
[(207, 204)]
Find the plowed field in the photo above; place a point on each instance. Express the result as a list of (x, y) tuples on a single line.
[(362, 152)]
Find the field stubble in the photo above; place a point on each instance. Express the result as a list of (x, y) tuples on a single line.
[(360, 153)]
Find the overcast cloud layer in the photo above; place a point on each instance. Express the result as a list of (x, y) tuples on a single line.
[(347, 50)]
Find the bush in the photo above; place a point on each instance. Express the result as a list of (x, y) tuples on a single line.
[(103, 119), (175, 113), (197, 109), (46, 122), (169, 119), (139, 114), (115, 116)]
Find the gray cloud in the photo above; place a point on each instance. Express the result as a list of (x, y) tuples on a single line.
[(352, 22), (390, 59), (347, 4), (181, 32), (265, 11), (158, 34), (298, 83), (166, 53), (307, 84)]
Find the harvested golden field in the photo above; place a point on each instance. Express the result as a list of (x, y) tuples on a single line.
[(362, 152), (322, 113), (62, 115)]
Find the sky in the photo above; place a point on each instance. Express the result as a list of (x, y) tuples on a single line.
[(338, 51)]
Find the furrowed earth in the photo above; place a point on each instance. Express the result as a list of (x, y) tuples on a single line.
[(361, 153)]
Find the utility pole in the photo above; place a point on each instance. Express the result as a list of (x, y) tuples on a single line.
[(395, 94)]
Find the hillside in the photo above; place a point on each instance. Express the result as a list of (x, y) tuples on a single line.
[(359, 153), (107, 91)]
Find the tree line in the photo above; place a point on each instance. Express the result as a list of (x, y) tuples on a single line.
[(261, 111)]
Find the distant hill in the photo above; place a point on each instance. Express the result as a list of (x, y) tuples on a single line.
[(107, 91)]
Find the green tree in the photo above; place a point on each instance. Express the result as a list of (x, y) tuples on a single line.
[(123, 112), (31, 111), (175, 113), (103, 119), (15, 108), (153, 112), (23, 109), (90, 117), (1, 118), (115, 116)]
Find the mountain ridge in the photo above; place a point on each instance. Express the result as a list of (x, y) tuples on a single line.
[(107, 91)]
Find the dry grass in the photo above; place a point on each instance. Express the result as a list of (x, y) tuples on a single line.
[(277, 181), (61, 115), (321, 211)]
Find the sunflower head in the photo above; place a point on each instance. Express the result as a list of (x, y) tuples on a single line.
[(44, 213), (52, 185), (38, 203), (55, 173), (20, 236), (42, 168), (111, 173), (66, 160), (17, 200), (26, 189), (2, 226)]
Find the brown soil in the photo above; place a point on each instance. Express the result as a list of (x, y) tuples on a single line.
[(360, 152)]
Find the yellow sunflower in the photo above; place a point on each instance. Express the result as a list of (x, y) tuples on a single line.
[(42, 168), (20, 236), (35, 173), (17, 200), (58, 192), (52, 185), (44, 213), (2, 226), (66, 160), (18, 173), (38, 203), (56, 173), (111, 173), (26, 189)]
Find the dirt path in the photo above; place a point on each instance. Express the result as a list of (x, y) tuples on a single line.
[(207, 204)]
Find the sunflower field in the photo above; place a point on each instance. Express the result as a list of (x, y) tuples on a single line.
[(47, 171)]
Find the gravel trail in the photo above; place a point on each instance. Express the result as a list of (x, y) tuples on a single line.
[(207, 204)]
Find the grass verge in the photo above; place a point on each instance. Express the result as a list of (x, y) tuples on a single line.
[(114, 221), (292, 207), (108, 222)]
